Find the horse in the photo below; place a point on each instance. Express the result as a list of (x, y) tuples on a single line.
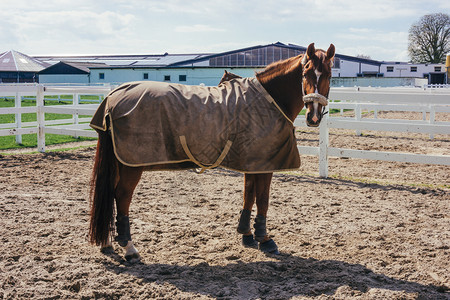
[(227, 76), (299, 81)]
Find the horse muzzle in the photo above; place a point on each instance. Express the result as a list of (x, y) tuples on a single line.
[(314, 117)]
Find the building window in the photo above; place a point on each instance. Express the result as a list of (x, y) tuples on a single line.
[(336, 63), (413, 69), (101, 76), (182, 78), (166, 77), (437, 69), (145, 75), (390, 69), (254, 58)]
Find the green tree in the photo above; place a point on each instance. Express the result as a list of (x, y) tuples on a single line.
[(429, 39)]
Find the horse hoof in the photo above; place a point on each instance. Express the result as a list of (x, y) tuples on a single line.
[(135, 257), (269, 247), (249, 241), (107, 250)]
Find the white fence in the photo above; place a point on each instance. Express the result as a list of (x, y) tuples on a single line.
[(427, 101), (76, 126), (382, 99)]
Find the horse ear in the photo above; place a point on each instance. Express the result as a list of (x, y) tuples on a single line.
[(330, 52), (226, 72), (311, 51)]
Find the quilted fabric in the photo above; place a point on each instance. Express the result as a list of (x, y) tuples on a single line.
[(236, 125)]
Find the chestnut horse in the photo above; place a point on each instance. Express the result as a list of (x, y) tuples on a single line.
[(292, 83), (227, 76)]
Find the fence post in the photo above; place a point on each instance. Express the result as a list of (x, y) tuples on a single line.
[(40, 118), (323, 147), (75, 116), (358, 116), (18, 104), (432, 118)]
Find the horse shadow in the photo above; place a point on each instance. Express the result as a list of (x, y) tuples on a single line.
[(286, 277)]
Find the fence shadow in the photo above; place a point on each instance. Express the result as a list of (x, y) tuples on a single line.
[(350, 183), (287, 277), (309, 179)]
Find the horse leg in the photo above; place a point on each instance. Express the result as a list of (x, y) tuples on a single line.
[(244, 219), (127, 182), (262, 191)]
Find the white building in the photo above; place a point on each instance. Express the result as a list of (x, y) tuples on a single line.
[(435, 72), (208, 68)]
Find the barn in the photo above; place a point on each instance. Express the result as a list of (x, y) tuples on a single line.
[(208, 68), (77, 72), (17, 67)]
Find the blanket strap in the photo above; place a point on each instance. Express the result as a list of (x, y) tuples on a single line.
[(192, 158)]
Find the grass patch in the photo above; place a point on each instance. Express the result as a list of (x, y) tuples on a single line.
[(11, 118), (31, 117), (68, 149), (30, 140), (63, 149)]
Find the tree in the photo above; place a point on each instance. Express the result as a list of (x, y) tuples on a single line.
[(429, 39)]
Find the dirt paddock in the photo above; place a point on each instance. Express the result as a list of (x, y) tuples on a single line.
[(372, 230)]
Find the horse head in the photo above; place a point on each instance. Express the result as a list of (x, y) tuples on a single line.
[(317, 66), (228, 76)]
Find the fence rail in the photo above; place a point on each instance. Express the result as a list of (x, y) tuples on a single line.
[(411, 96), (381, 99), (427, 101), (76, 126)]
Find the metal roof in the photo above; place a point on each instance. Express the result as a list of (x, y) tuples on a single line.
[(277, 44), (126, 61), (207, 57), (167, 60), (66, 67), (13, 61)]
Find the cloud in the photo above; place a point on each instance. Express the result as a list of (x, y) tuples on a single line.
[(373, 35), (376, 43), (325, 11), (360, 30), (356, 10), (120, 26), (198, 28), (64, 25), (377, 52)]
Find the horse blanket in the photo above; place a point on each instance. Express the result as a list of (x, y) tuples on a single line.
[(236, 125)]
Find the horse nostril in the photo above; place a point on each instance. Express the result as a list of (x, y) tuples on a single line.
[(312, 120)]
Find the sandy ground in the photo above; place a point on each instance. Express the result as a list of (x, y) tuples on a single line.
[(372, 230)]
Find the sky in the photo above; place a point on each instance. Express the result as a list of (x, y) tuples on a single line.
[(374, 28)]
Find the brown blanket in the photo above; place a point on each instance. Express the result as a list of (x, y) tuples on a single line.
[(236, 125)]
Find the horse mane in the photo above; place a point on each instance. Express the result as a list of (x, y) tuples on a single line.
[(280, 68)]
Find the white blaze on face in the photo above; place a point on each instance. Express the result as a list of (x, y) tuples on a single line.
[(315, 112), (318, 74)]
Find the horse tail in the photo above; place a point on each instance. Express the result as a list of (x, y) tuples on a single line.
[(102, 191)]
